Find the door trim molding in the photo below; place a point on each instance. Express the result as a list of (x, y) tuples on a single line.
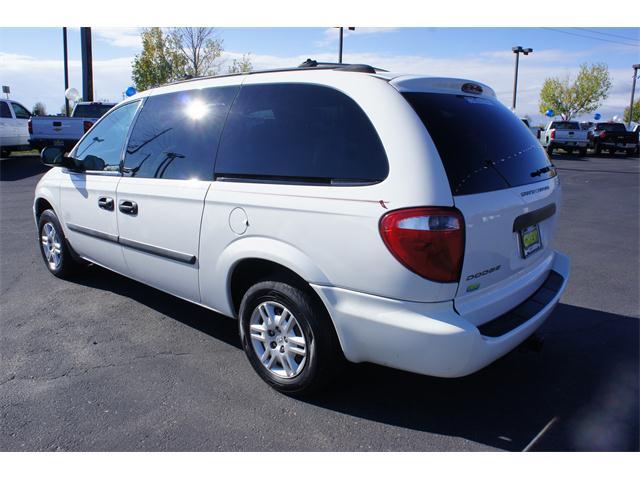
[(143, 247)]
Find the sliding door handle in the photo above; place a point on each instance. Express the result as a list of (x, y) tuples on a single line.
[(105, 203), (128, 207)]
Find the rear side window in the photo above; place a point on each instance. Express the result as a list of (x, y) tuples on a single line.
[(482, 144), (20, 111), (300, 132), (4, 110), (176, 134), (565, 125), (91, 110)]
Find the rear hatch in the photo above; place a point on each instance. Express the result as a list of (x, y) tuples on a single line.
[(63, 128), (507, 190)]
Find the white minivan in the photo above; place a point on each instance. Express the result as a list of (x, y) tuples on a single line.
[(337, 211)]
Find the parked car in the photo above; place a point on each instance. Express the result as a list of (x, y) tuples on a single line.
[(612, 136), (54, 130), (335, 211), (14, 135), (534, 130), (565, 135)]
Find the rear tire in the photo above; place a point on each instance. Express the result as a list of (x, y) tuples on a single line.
[(598, 150), (550, 150), (582, 152), (54, 247), (298, 356)]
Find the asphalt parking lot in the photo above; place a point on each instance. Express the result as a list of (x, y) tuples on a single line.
[(106, 363)]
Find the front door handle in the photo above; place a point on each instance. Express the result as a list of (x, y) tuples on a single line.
[(106, 203), (128, 207)]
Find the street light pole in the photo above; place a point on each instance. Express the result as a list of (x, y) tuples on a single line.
[(87, 64), (517, 50), (633, 90), (66, 69), (341, 41)]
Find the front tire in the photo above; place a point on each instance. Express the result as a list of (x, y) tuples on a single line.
[(288, 337), (54, 246)]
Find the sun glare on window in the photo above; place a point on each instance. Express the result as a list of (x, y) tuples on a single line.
[(196, 109)]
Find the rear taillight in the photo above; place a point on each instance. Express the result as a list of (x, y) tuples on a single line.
[(87, 125), (553, 134), (603, 134), (428, 241), (30, 126)]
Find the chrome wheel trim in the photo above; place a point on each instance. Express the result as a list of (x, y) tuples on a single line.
[(278, 340), (51, 245)]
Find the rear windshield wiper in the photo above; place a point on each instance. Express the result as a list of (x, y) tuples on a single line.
[(542, 170)]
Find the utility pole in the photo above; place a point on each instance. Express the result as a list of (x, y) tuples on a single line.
[(517, 50), (633, 90), (341, 41), (66, 69), (87, 64)]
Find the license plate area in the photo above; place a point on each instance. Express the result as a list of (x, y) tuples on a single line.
[(530, 241), (58, 143)]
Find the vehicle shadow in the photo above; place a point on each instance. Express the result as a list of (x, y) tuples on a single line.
[(20, 167), (580, 391)]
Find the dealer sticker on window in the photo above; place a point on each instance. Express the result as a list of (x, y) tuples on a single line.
[(530, 240)]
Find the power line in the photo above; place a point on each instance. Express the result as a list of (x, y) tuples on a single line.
[(592, 38), (637, 39)]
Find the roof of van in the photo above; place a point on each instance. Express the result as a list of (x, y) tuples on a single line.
[(401, 81)]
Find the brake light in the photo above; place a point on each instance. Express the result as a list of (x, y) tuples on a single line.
[(87, 125), (553, 134), (428, 241), (30, 126), (603, 134)]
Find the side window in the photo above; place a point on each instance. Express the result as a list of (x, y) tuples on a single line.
[(20, 111), (300, 132), (102, 148), (4, 110), (176, 134)]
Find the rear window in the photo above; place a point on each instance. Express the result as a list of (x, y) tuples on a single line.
[(612, 127), (565, 125), (482, 144), (96, 110)]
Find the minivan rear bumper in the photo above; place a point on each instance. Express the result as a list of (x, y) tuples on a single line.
[(432, 338)]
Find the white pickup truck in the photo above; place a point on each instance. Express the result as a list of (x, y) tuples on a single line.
[(62, 131), (566, 135)]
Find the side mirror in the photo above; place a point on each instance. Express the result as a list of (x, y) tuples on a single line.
[(54, 157)]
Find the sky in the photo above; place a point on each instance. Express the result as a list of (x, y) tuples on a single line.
[(31, 58)]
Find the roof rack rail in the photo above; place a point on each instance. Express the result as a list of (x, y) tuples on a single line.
[(306, 65), (347, 67)]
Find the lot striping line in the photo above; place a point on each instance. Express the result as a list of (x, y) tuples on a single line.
[(540, 434)]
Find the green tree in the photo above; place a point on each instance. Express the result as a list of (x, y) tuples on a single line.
[(636, 113), (198, 47), (159, 62), (569, 98), (241, 65), (39, 109)]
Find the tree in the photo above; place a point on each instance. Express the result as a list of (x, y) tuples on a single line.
[(241, 65), (39, 109), (585, 94), (199, 49), (159, 62), (636, 113)]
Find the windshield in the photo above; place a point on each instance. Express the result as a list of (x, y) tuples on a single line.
[(92, 110), (493, 151)]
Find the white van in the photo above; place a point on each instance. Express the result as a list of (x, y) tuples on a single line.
[(335, 211)]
